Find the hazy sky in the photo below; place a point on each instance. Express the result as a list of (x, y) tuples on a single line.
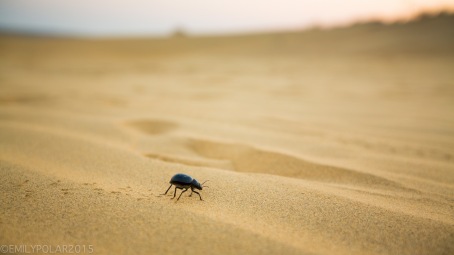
[(158, 17)]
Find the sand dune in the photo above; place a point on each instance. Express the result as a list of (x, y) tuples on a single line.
[(316, 142)]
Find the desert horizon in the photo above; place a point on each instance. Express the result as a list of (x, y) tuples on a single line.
[(322, 141)]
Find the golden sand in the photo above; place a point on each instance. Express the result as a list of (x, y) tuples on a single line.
[(319, 142)]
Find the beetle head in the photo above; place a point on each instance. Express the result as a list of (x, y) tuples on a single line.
[(197, 185)]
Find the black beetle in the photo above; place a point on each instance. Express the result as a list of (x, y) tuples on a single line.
[(184, 181)]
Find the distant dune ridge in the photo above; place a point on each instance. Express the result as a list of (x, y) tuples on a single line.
[(319, 142)]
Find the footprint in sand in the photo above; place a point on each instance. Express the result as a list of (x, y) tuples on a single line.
[(24, 99), (55, 183), (153, 127), (23, 183), (28, 193), (65, 191)]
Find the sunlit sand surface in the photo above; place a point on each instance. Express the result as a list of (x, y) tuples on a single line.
[(316, 142)]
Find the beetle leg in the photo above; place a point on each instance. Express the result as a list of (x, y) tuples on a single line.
[(167, 189), (175, 192), (190, 195), (198, 194), (182, 193)]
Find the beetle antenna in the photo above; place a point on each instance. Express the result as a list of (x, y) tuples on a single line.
[(204, 183)]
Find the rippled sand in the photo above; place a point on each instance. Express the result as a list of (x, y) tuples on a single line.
[(318, 142)]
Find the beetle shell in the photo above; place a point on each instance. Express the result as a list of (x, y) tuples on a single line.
[(184, 180), (181, 179)]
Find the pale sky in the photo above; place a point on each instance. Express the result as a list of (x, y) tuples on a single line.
[(161, 17)]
